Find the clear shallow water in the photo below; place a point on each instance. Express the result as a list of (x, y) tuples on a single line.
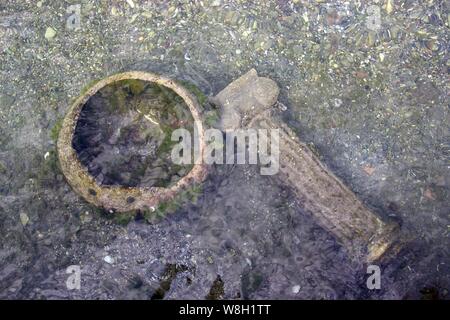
[(373, 105), (123, 134)]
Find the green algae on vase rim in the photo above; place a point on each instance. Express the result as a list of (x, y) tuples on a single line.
[(121, 198)]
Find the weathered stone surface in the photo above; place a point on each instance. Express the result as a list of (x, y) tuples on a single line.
[(117, 198), (244, 98), (336, 208)]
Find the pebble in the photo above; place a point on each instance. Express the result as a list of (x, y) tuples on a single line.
[(432, 45), (86, 217), (389, 7), (108, 259), (131, 3), (368, 169), (337, 102), (24, 219), (429, 194), (296, 289), (50, 33)]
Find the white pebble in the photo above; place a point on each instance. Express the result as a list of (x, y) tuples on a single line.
[(24, 218), (108, 259)]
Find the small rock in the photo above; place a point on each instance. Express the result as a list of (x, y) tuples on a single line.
[(337, 102), (389, 7), (24, 219), (432, 45), (360, 74), (130, 3), (50, 33), (296, 289), (368, 169), (305, 17), (429, 194), (333, 18), (108, 259), (86, 217)]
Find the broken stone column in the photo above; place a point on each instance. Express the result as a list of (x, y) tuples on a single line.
[(248, 103)]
